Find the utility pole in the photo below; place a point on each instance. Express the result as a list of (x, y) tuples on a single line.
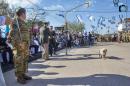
[(65, 17)]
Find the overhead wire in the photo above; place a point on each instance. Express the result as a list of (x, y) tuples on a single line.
[(103, 11)]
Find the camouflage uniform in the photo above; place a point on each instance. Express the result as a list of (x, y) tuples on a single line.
[(21, 52)]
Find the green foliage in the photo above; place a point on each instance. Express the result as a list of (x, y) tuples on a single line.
[(41, 23), (75, 26), (31, 22)]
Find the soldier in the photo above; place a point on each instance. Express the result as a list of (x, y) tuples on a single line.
[(20, 37)]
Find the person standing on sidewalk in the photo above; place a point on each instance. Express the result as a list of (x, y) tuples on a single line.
[(20, 38), (46, 34), (90, 39), (69, 40), (52, 42)]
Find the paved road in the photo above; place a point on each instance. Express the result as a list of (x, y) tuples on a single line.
[(82, 67)]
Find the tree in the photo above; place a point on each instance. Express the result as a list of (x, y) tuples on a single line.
[(76, 27), (31, 22), (4, 7)]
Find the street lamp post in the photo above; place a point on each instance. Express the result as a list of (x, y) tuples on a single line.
[(66, 27), (65, 17)]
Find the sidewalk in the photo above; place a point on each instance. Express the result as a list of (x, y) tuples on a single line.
[(2, 81), (82, 67)]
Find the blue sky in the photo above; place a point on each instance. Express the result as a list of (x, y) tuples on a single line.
[(98, 8)]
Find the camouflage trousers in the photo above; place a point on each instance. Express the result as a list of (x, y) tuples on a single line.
[(21, 55)]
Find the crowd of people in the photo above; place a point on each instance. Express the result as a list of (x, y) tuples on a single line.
[(56, 40), (18, 42)]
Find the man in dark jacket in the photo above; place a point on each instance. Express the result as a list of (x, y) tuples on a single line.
[(52, 42), (46, 34)]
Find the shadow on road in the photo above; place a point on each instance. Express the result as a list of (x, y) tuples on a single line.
[(92, 80), (103, 44), (38, 69), (38, 73), (76, 58), (115, 58), (42, 66), (82, 57)]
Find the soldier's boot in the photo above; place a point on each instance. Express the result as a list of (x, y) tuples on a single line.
[(43, 55), (27, 77), (21, 80), (47, 56)]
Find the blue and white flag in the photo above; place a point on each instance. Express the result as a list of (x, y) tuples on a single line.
[(79, 18), (60, 15)]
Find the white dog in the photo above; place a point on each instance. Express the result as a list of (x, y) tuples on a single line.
[(102, 53)]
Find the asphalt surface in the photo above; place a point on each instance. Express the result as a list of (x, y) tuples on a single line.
[(81, 67)]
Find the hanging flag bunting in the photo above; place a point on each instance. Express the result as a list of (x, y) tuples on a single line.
[(116, 3), (112, 20), (79, 18), (101, 21), (120, 27), (113, 17), (123, 8), (91, 18), (104, 25), (98, 23), (60, 15), (121, 18), (93, 26)]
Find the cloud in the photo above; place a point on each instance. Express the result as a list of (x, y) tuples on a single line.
[(54, 7), (77, 2), (22, 3)]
